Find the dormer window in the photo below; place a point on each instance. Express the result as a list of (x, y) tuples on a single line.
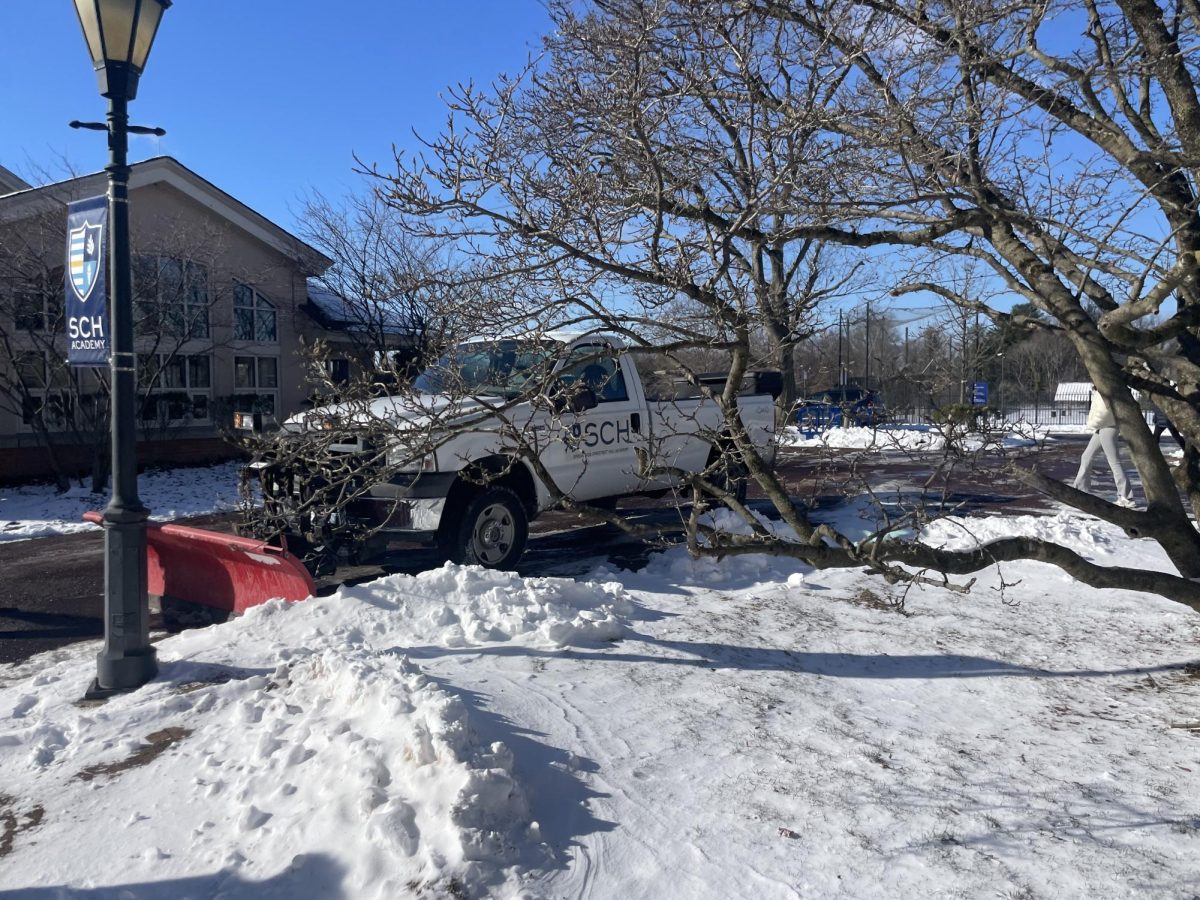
[(253, 316)]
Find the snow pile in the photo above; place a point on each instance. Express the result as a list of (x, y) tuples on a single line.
[(301, 736), (37, 511), (361, 756), (853, 437), (910, 438), (1075, 531), (486, 606)]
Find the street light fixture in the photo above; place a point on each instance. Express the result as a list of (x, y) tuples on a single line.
[(119, 34)]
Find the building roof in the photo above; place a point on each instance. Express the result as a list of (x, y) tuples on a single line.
[(1073, 392), (28, 200), (335, 312), (10, 182)]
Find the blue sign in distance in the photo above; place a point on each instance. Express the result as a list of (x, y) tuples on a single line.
[(86, 284), (979, 393)]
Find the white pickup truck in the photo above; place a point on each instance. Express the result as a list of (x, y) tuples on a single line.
[(452, 460)]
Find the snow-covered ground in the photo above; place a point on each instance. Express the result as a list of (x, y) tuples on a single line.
[(915, 438), (744, 729), (38, 511)]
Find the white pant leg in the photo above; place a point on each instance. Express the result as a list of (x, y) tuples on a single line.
[(1083, 479), (1108, 442)]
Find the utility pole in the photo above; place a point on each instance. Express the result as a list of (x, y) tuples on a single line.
[(841, 366), (978, 366), (962, 364), (867, 363)]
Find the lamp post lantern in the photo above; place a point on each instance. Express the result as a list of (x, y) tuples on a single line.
[(119, 34)]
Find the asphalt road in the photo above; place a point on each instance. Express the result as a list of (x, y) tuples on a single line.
[(52, 589)]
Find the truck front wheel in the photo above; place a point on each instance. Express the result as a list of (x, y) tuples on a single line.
[(491, 530)]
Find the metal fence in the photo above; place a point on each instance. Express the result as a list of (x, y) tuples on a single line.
[(1048, 415)]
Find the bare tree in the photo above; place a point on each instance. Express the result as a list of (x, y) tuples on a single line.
[(179, 305), (35, 384), (395, 294), (665, 152), (977, 116)]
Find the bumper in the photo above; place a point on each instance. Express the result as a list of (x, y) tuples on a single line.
[(408, 505), (413, 516)]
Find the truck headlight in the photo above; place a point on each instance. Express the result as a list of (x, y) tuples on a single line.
[(404, 459), (321, 422)]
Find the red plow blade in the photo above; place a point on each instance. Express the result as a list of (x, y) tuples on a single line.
[(221, 571)]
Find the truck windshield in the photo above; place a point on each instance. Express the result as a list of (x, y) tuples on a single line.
[(506, 368)]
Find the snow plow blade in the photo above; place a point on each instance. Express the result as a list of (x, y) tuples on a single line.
[(196, 570)]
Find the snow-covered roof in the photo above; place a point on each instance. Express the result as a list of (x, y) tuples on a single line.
[(1073, 392), (340, 314)]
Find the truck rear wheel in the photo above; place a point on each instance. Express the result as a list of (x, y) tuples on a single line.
[(491, 530)]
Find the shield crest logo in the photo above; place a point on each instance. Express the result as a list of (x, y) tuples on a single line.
[(84, 258)]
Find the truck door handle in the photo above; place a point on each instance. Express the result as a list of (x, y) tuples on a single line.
[(635, 422)]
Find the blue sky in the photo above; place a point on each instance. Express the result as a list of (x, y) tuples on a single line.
[(268, 99)]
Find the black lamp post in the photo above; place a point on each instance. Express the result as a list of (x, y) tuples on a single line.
[(119, 34)]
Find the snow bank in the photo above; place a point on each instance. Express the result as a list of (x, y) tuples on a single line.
[(910, 438), (298, 741), (357, 756), (37, 511)]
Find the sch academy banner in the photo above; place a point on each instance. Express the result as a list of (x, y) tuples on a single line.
[(87, 287)]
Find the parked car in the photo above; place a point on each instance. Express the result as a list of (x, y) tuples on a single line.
[(838, 406)]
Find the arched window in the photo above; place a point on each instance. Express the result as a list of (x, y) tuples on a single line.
[(253, 316)]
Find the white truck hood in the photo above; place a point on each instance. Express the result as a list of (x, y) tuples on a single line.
[(399, 413)]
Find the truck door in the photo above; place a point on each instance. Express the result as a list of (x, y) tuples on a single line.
[(594, 453)]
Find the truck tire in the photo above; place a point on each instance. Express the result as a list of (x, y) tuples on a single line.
[(490, 531)]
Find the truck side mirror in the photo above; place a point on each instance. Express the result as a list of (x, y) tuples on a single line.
[(583, 398), (576, 397)]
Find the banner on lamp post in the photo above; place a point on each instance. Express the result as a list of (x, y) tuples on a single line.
[(86, 284)]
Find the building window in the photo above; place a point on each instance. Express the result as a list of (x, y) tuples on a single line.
[(176, 389), (253, 316), (255, 384), (29, 311), (36, 303), (47, 392), (338, 370), (172, 296)]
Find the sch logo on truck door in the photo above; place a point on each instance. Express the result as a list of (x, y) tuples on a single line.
[(606, 433)]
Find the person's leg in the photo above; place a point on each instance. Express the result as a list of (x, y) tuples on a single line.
[(1108, 442), (1083, 480)]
